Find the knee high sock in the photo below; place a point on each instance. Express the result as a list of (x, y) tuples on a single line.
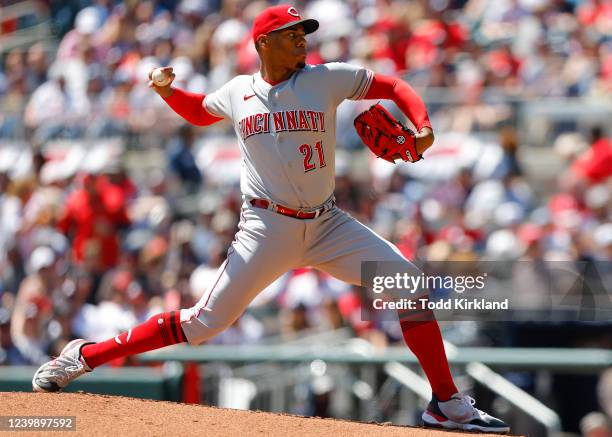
[(160, 330), (424, 339)]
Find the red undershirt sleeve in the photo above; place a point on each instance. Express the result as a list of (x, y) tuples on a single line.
[(404, 96), (190, 107)]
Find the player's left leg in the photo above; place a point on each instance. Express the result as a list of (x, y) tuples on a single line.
[(338, 244)]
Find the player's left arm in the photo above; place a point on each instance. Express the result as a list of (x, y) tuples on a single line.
[(409, 102)]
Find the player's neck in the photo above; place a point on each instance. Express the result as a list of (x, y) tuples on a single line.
[(275, 76)]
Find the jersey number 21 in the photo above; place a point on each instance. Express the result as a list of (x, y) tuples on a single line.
[(306, 150)]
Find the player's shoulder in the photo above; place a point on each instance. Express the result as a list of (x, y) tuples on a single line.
[(331, 68), (326, 67)]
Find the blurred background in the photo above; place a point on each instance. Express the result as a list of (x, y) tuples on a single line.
[(112, 209)]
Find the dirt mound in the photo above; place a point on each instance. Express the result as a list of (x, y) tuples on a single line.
[(101, 415)]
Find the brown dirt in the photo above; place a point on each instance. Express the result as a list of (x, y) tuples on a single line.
[(102, 415)]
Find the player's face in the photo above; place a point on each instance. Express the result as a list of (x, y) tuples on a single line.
[(288, 46)]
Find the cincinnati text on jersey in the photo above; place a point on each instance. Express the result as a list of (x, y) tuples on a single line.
[(282, 121)]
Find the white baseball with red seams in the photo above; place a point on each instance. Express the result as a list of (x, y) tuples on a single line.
[(160, 77), (287, 138)]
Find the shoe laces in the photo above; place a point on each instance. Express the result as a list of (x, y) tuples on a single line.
[(469, 402), (65, 367)]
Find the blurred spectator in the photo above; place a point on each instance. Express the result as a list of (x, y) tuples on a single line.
[(13, 102), (92, 217), (595, 165), (52, 111), (33, 306), (114, 107), (599, 423), (294, 320), (181, 160), (87, 22), (113, 314), (152, 266), (36, 66), (510, 165), (9, 354)]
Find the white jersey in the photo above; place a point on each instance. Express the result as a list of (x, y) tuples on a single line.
[(287, 132)]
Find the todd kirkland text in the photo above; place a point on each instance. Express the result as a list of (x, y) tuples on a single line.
[(447, 304)]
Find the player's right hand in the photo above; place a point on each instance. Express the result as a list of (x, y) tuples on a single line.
[(166, 90)]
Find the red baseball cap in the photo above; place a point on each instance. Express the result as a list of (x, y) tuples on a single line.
[(281, 17)]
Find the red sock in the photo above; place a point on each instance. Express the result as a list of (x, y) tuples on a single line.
[(424, 339), (160, 330)]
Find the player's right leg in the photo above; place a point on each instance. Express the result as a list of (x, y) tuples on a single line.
[(266, 246)]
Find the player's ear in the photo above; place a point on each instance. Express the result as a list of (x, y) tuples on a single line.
[(262, 41)]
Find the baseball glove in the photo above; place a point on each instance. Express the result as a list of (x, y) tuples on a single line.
[(386, 137)]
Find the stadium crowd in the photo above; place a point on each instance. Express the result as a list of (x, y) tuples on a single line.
[(92, 244)]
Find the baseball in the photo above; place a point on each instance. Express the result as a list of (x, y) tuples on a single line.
[(160, 77)]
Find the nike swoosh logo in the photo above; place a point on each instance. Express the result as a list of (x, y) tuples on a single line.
[(118, 340), (245, 97)]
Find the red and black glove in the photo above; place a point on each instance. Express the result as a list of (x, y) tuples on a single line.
[(386, 137)]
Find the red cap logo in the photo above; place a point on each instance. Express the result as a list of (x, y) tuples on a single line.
[(278, 18)]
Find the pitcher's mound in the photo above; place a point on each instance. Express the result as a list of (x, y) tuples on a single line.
[(101, 415)]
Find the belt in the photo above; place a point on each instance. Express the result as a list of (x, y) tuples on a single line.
[(290, 212)]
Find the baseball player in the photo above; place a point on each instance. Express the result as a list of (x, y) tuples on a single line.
[(285, 119)]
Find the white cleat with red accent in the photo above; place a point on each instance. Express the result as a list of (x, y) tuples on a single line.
[(56, 374), (459, 413)]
